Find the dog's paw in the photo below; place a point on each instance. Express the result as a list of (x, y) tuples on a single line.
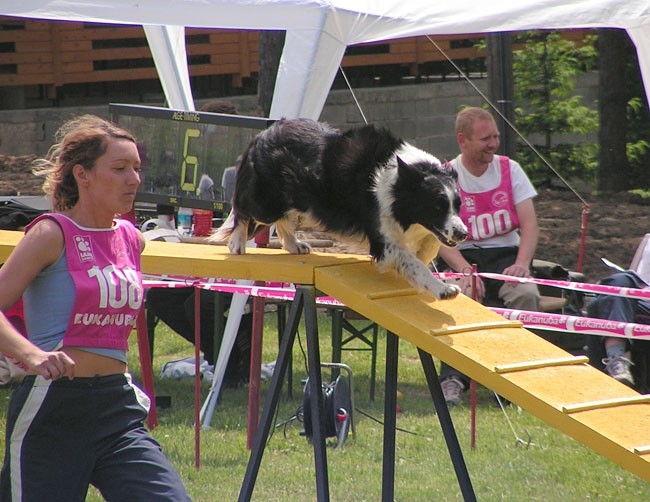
[(236, 246), (449, 292), (304, 248), (298, 247)]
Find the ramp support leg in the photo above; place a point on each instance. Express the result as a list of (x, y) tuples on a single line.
[(447, 426), (305, 301), (390, 418)]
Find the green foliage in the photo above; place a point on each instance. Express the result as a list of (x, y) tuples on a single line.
[(638, 140), (545, 71), (641, 193)]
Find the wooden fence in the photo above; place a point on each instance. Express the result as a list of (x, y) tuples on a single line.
[(53, 54)]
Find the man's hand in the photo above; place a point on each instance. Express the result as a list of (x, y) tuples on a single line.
[(517, 271), (465, 284)]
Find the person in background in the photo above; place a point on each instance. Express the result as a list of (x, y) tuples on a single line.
[(206, 188), (228, 176), (220, 106), (77, 419), (228, 181), (497, 207), (615, 355)]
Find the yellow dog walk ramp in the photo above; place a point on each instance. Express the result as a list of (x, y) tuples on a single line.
[(563, 390)]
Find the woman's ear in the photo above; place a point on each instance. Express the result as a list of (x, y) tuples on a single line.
[(80, 174)]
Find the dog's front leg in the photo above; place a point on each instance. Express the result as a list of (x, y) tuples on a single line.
[(286, 229), (416, 272), (239, 237)]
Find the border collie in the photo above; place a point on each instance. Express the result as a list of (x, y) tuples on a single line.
[(364, 182)]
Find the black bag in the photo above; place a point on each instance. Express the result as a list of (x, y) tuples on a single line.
[(15, 216)]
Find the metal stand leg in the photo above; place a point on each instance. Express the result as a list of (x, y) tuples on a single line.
[(315, 381), (390, 418), (447, 425), (305, 300), (282, 321)]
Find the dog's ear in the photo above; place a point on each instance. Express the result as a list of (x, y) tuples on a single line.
[(405, 170)]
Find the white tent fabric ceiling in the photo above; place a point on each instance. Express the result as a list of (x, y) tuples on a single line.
[(318, 31)]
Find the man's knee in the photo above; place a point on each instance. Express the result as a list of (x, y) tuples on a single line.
[(523, 296)]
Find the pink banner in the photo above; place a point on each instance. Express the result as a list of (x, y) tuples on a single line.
[(576, 324), (538, 320)]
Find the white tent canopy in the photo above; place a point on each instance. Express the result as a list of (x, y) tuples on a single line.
[(318, 31)]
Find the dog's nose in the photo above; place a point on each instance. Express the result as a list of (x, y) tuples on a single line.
[(460, 233)]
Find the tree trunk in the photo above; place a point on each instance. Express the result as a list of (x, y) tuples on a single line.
[(501, 87), (613, 169), (271, 45)]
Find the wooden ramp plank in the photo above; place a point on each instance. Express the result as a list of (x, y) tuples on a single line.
[(488, 347), (8, 241), (205, 260)]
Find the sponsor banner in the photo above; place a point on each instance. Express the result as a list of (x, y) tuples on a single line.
[(537, 320), (576, 324)]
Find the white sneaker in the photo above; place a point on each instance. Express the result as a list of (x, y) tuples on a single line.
[(619, 369), (452, 389), (267, 370)]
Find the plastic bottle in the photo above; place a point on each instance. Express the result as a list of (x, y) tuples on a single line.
[(185, 221)]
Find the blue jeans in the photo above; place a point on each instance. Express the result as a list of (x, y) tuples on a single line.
[(618, 308)]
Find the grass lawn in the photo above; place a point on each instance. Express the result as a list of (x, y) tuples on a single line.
[(553, 467)]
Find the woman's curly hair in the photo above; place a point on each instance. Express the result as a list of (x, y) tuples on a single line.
[(81, 140)]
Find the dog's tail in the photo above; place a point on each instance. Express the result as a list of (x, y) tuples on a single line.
[(222, 234)]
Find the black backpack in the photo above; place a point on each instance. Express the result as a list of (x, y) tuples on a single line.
[(15, 215)]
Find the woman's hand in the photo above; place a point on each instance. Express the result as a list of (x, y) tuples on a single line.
[(50, 365)]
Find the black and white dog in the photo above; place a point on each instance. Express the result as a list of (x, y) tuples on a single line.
[(364, 182)]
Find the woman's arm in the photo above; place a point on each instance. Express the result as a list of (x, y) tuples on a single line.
[(40, 247)]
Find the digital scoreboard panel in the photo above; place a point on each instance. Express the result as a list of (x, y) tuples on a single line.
[(178, 148)]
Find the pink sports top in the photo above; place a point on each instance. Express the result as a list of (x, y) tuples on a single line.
[(491, 213), (103, 268)]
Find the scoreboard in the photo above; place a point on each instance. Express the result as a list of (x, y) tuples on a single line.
[(178, 148)]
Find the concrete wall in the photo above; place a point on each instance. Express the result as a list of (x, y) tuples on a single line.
[(422, 114)]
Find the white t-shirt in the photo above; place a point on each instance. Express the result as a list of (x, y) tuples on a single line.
[(522, 190)]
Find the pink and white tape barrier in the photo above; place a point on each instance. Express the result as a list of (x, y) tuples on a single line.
[(577, 324), (537, 320)]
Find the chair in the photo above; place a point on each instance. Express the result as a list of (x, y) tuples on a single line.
[(348, 321), (641, 260)]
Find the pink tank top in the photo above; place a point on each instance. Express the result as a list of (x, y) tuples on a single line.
[(491, 213), (105, 268)]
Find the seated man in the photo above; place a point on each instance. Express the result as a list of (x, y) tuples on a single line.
[(498, 210), (622, 358), (175, 307)]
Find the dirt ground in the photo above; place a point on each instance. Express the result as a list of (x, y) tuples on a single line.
[(615, 222)]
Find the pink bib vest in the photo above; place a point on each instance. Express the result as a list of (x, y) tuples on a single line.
[(492, 213), (105, 267)]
